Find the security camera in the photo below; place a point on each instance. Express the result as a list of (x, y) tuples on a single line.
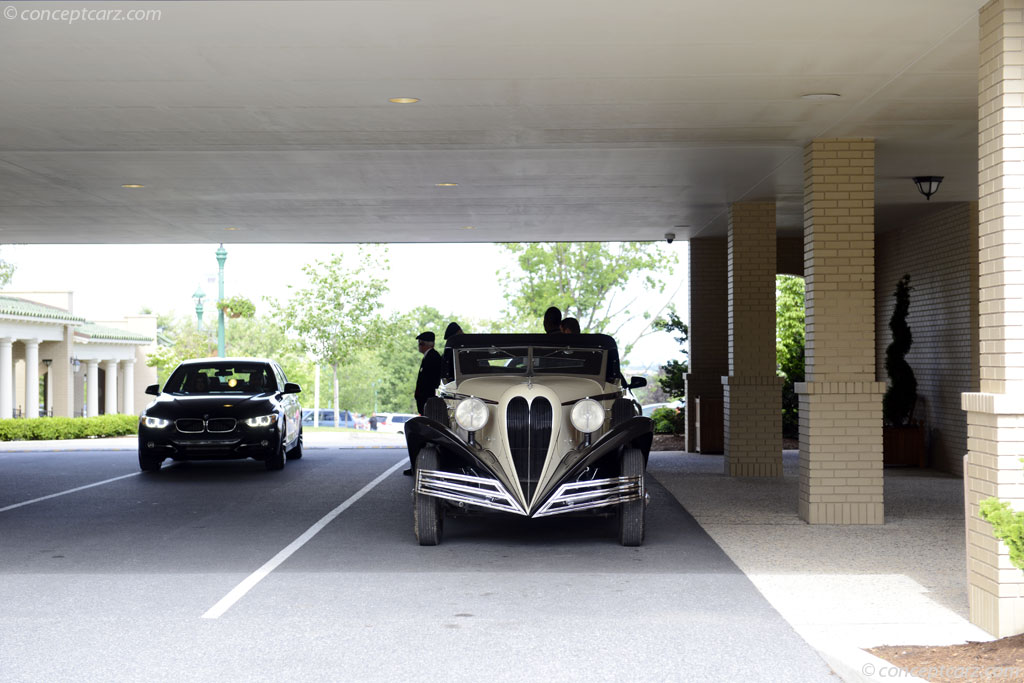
[(670, 237)]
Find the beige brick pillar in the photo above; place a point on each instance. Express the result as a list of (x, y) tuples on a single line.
[(753, 400), (995, 414), (62, 375), (709, 329), (840, 403)]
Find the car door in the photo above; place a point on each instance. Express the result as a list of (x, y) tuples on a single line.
[(289, 406)]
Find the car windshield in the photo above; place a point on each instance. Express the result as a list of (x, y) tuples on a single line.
[(536, 360), (220, 378)]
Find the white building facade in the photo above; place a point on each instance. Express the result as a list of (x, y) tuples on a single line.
[(55, 363)]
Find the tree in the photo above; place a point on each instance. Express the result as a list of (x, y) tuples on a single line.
[(901, 395), (586, 280), (400, 358), (337, 314), (6, 272), (672, 377), (180, 340), (789, 346)]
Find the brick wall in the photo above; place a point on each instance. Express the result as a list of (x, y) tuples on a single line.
[(709, 327), (939, 250)]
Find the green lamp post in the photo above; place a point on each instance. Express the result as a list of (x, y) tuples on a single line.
[(222, 256), (199, 296)]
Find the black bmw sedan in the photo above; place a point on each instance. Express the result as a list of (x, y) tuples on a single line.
[(222, 408)]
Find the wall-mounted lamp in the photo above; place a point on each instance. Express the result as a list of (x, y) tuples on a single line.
[(75, 363), (928, 184), (47, 362)]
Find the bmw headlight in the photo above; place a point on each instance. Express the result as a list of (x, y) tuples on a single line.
[(587, 415), (155, 422), (261, 421), (471, 414)]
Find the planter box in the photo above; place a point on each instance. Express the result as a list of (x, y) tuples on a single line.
[(903, 446)]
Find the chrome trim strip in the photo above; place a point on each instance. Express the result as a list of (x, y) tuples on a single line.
[(587, 495), (463, 488)]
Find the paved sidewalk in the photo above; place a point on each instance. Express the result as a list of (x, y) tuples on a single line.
[(841, 587)]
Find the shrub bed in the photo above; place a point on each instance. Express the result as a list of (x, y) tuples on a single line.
[(45, 428), (669, 421)]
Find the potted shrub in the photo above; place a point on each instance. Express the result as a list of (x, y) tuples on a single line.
[(902, 435), (237, 307)]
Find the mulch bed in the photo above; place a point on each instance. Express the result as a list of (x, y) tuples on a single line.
[(668, 442), (999, 660)]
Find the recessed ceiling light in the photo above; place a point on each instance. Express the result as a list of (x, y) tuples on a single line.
[(821, 96), (446, 184), (132, 186), (232, 229), (468, 227), (404, 100)]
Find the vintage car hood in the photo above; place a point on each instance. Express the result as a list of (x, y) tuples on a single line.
[(493, 388)]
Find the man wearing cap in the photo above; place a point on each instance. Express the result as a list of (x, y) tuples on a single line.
[(430, 370)]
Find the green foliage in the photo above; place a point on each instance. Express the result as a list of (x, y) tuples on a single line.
[(48, 428), (399, 358), (264, 338), (901, 395), (669, 421), (673, 374), (337, 314), (584, 280), (1007, 525), (237, 307), (6, 272), (789, 346), (184, 341)]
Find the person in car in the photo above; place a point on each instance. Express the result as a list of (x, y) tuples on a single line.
[(570, 326), (448, 367), (553, 320)]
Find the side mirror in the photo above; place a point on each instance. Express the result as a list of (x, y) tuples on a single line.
[(153, 389), (637, 382), (291, 388)]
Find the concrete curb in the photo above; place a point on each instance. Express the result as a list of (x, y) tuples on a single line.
[(854, 665)]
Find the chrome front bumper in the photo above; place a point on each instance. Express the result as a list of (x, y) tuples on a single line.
[(489, 493)]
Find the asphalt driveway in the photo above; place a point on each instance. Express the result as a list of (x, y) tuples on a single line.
[(224, 571)]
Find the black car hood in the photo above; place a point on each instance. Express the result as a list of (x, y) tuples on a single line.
[(168, 405)]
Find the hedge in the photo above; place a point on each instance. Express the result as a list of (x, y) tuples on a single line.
[(46, 428), (669, 421)]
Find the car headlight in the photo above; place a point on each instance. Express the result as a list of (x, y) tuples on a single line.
[(471, 414), (155, 422), (261, 420), (587, 415)]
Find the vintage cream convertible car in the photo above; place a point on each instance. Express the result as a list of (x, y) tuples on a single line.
[(533, 425)]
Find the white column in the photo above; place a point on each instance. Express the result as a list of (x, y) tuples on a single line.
[(50, 375), (110, 392), (92, 388), (128, 400), (31, 377), (6, 378)]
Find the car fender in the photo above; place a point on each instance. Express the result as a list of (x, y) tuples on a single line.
[(637, 432), (422, 431)]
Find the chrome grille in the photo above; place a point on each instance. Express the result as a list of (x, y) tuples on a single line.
[(189, 425), (221, 424), (529, 434)]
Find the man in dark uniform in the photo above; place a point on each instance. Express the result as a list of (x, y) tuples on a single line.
[(448, 367), (431, 368)]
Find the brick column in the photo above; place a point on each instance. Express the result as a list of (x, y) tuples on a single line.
[(840, 403), (995, 414), (753, 400), (709, 327)]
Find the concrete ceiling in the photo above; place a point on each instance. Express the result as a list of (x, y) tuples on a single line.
[(567, 120)]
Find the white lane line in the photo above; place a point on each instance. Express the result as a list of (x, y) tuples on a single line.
[(239, 591), (64, 493)]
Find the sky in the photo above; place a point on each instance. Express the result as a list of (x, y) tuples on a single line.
[(113, 280)]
